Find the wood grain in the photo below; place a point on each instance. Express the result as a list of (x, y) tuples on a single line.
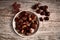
[(48, 30)]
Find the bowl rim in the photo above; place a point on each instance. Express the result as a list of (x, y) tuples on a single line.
[(13, 23)]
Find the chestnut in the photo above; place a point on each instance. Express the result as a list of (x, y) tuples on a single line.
[(46, 18), (47, 13), (41, 19), (42, 13), (45, 7)]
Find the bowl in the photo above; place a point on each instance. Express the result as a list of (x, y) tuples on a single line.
[(31, 22)]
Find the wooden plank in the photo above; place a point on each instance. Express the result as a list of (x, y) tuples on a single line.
[(46, 28)]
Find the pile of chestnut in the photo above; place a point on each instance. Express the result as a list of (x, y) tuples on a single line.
[(26, 23), (42, 10)]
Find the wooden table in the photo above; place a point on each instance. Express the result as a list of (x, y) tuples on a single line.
[(48, 30)]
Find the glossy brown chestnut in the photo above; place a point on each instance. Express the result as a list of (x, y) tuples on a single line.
[(26, 23)]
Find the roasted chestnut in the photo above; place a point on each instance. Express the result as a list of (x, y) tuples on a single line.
[(26, 22)]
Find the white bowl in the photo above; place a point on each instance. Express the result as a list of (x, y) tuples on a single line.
[(15, 26)]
